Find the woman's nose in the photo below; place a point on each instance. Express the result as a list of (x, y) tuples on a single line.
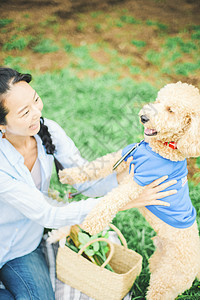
[(36, 113)]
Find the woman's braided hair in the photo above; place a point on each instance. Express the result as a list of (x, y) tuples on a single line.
[(46, 138), (48, 143), (8, 77)]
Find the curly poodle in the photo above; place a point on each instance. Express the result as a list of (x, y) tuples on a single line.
[(171, 134)]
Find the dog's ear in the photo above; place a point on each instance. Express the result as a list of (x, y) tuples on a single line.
[(189, 144)]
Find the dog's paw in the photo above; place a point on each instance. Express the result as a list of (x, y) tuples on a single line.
[(96, 222), (65, 176), (72, 176), (93, 225)]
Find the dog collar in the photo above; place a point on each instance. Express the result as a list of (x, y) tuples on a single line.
[(172, 145)]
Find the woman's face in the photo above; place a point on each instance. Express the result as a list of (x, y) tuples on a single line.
[(24, 106)]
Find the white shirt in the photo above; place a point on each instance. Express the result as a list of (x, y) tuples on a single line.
[(23, 210), (36, 174)]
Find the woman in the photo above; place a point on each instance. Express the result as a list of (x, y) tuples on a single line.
[(28, 145)]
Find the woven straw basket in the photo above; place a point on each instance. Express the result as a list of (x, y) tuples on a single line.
[(96, 281)]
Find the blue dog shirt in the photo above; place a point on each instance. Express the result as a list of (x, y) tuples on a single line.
[(149, 166)]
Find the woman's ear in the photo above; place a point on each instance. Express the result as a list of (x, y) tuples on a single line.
[(189, 144)]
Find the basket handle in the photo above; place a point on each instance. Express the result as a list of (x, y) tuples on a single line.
[(97, 240), (120, 235)]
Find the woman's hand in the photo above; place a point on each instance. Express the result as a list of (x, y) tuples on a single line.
[(151, 193)]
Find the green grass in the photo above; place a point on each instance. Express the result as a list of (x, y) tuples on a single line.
[(129, 20), (51, 22), (87, 100), (19, 63), (96, 14), (83, 59), (195, 27), (68, 47), (198, 162), (173, 50), (5, 22), (186, 68), (26, 16), (135, 70), (138, 44), (98, 27), (154, 57), (45, 46), (81, 26), (157, 24), (196, 35), (119, 24), (17, 43), (21, 28), (174, 42)]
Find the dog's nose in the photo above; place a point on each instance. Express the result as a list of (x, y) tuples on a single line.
[(144, 119)]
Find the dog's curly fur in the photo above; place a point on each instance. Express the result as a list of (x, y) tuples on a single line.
[(174, 116)]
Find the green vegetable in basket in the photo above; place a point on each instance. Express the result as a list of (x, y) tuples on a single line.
[(96, 252)]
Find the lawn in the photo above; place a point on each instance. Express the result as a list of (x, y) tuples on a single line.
[(94, 70)]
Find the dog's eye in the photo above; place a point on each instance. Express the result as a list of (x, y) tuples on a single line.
[(169, 109)]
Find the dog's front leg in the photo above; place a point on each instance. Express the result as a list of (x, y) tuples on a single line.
[(101, 167), (106, 209)]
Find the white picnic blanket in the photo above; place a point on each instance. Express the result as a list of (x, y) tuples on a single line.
[(62, 290)]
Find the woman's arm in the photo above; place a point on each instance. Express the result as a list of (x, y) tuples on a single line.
[(32, 204)]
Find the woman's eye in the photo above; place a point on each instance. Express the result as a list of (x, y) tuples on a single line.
[(26, 113), (36, 100)]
